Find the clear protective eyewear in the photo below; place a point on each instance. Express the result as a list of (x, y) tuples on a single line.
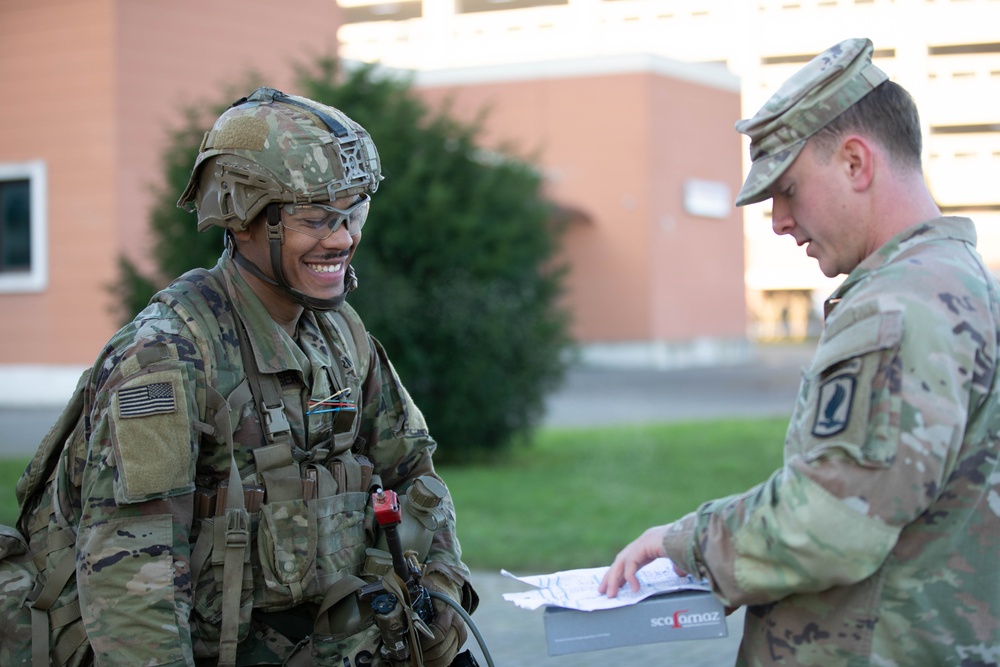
[(321, 220)]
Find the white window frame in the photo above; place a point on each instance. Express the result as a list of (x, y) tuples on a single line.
[(37, 278)]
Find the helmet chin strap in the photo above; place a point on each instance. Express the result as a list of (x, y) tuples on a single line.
[(275, 238)]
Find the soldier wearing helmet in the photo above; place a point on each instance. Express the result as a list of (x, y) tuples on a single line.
[(220, 484), (306, 167)]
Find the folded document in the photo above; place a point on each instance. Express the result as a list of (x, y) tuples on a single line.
[(577, 589)]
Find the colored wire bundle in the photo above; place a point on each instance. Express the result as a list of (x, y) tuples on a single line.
[(328, 404)]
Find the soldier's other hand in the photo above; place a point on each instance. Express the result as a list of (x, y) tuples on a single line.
[(643, 550), (448, 627)]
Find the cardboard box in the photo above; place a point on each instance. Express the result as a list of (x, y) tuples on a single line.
[(661, 618)]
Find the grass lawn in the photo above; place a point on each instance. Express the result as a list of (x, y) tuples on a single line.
[(576, 496), (10, 472)]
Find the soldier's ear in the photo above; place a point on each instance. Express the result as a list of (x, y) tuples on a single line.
[(255, 227), (858, 160), (242, 236)]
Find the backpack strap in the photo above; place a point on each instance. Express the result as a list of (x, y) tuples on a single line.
[(44, 618), (234, 532), (229, 539)]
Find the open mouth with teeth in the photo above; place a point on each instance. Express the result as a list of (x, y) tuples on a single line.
[(326, 268)]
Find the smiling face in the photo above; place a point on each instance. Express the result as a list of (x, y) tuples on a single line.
[(812, 202), (315, 267)]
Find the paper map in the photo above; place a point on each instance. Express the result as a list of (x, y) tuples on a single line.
[(577, 589)]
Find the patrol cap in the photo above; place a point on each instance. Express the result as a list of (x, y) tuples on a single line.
[(814, 96)]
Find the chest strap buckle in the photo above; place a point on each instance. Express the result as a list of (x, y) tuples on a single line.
[(277, 422)]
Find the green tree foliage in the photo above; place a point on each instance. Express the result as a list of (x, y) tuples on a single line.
[(456, 266)]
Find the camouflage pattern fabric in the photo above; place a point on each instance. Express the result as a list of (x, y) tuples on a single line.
[(150, 444), (876, 543), (275, 147), (17, 577), (822, 90)]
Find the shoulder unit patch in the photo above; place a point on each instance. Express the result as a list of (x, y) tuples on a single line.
[(833, 411)]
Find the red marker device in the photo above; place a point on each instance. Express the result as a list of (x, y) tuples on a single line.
[(387, 513)]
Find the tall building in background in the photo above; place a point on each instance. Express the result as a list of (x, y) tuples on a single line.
[(945, 52)]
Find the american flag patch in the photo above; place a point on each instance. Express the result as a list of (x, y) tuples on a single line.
[(151, 399)]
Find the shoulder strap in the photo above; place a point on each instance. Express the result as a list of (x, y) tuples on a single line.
[(231, 536), (357, 339)]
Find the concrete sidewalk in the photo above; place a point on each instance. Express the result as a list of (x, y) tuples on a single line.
[(764, 386)]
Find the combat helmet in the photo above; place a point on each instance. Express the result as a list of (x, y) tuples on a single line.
[(272, 148)]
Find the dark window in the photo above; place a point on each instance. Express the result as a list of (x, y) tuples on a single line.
[(802, 58), (969, 208), (15, 226), (475, 6), (964, 49), (384, 11), (977, 128)]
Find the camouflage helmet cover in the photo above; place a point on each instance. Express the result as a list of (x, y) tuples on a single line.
[(272, 147)]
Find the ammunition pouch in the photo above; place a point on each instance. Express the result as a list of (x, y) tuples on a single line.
[(300, 548)]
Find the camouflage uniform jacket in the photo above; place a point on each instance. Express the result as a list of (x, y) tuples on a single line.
[(150, 443), (876, 543)]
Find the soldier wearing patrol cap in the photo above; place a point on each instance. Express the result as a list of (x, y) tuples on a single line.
[(216, 496), (876, 542)]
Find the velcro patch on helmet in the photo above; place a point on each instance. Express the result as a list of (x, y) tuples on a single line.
[(242, 132)]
